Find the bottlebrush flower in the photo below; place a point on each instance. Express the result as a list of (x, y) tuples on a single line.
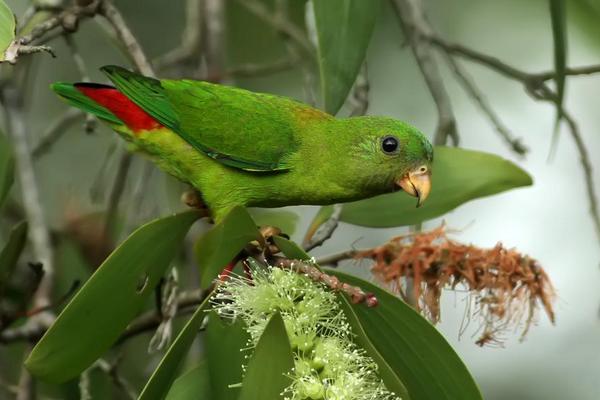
[(327, 363)]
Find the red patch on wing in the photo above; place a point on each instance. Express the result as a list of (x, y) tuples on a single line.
[(126, 110)]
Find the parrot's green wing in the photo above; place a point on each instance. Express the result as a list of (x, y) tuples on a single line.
[(241, 129)]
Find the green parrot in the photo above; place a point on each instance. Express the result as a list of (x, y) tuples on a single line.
[(238, 147)]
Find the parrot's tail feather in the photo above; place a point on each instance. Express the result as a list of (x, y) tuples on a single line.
[(107, 103)]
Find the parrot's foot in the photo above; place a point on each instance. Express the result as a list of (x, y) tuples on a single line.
[(192, 198), (268, 233)]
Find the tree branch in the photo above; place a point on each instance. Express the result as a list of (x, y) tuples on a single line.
[(124, 34), (479, 98), (417, 29), (55, 131)]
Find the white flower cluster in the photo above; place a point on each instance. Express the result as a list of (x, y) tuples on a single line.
[(328, 364)]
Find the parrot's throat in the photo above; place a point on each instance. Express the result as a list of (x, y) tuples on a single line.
[(116, 102)]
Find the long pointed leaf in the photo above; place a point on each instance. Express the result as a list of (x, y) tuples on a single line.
[(416, 351), (192, 385), (223, 242), (265, 376), (223, 356), (163, 376), (7, 28), (7, 167), (97, 315), (10, 253), (558, 16), (344, 29)]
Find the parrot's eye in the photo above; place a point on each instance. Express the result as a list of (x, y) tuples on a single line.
[(390, 145)]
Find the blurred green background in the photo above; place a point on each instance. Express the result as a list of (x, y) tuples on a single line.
[(548, 221)]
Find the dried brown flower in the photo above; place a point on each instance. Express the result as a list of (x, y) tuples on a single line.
[(505, 287)]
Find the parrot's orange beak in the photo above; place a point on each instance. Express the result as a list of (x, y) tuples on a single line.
[(417, 183)]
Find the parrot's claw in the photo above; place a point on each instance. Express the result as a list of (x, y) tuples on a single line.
[(193, 199), (268, 233)]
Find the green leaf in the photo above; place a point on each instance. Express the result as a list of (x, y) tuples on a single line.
[(8, 26), (7, 166), (11, 252), (344, 29), (320, 218), (265, 376), (416, 351), (290, 249), (223, 242), (392, 380), (558, 16), (223, 344), (282, 219), (98, 314), (459, 176), (192, 385), (163, 376)]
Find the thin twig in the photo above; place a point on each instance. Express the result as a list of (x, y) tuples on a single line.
[(326, 230), (117, 192), (360, 94), (295, 50), (586, 165), (335, 259), (471, 88), (55, 131), (190, 47), (283, 26), (144, 323), (39, 233), (417, 29), (574, 71), (356, 294), (26, 386), (214, 39), (124, 34), (111, 369), (251, 70), (152, 319), (90, 120)]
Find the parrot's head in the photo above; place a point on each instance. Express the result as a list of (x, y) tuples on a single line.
[(392, 155)]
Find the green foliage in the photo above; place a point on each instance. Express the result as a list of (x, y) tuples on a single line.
[(272, 358), (319, 219), (390, 377), (283, 219), (223, 242), (413, 348), (459, 176), (7, 166), (192, 385), (344, 31), (558, 16), (8, 26), (98, 314), (9, 255), (222, 344), (290, 249), (159, 383)]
